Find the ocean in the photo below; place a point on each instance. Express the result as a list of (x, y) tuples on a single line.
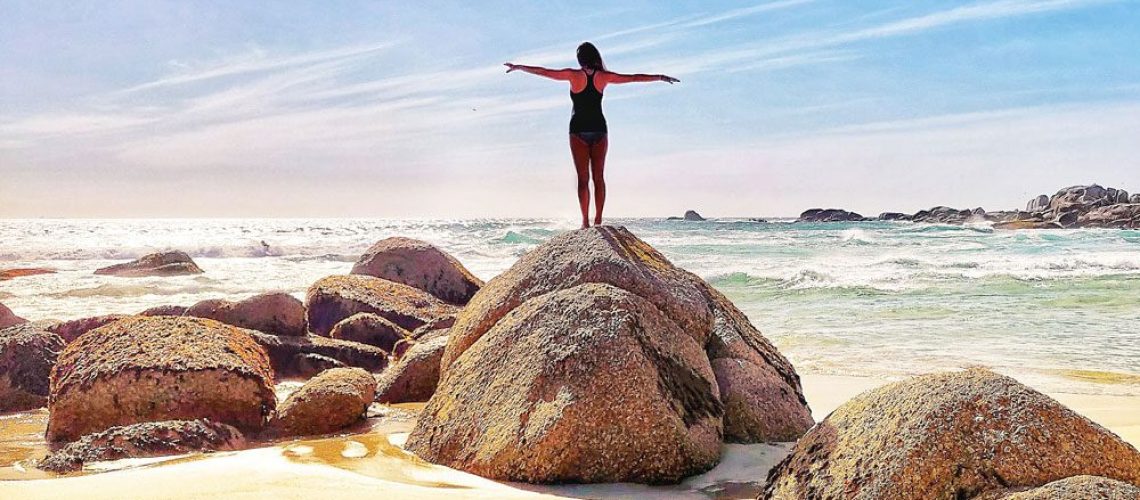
[(1059, 310)]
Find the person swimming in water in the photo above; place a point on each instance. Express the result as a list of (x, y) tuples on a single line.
[(588, 131)]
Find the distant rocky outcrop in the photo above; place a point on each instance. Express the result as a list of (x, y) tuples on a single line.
[(174, 263), (1079, 206), (333, 299), (894, 216), (9, 318), (947, 215), (420, 265), (326, 403), (147, 439), (948, 435), (414, 377), (147, 369), (371, 329), (690, 215), (274, 313), (829, 215), (27, 354), (528, 390)]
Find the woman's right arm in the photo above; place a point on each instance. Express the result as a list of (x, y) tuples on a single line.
[(553, 74)]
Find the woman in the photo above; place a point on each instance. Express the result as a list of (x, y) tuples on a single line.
[(588, 142)]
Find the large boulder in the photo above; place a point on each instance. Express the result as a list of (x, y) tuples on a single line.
[(540, 339), (305, 356), (693, 216), (332, 299), (948, 435), (415, 375), (829, 215), (147, 439), (27, 354), (589, 384), (370, 329), (420, 265), (147, 369), (1072, 488), (9, 318), (71, 330), (174, 263), (273, 313), (328, 402)]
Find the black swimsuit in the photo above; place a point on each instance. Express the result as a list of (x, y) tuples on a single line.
[(587, 121)]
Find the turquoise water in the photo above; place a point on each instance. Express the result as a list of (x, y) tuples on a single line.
[(1060, 310)]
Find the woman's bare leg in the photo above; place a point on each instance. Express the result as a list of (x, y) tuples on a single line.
[(581, 152), (597, 171)]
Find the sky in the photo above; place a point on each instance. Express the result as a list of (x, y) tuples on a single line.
[(151, 108)]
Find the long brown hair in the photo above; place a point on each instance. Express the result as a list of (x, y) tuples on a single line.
[(590, 58)]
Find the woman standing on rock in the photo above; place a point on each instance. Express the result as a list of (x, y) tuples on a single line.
[(588, 141)]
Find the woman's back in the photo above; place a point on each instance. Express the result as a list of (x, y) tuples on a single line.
[(587, 114)]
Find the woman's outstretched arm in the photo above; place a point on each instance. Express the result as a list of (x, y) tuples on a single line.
[(622, 78), (553, 74)]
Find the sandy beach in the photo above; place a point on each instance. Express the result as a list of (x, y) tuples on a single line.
[(372, 464)]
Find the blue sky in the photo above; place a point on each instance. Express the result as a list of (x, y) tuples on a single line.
[(401, 109)]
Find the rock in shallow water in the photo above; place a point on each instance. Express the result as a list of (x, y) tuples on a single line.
[(328, 402), (27, 354), (273, 313), (596, 350), (156, 264), (948, 436), (145, 369), (147, 439), (420, 265), (333, 299)]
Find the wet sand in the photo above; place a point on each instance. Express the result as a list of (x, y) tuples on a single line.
[(371, 464)]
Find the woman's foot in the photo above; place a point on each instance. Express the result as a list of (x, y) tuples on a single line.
[(598, 221), (585, 224)]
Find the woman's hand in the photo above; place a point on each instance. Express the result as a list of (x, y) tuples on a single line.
[(669, 79), (511, 67)]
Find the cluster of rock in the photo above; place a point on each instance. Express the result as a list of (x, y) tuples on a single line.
[(173, 379), (594, 359), (1078, 206), (1071, 207)]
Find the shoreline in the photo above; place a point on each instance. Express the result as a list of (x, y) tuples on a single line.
[(370, 464)]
